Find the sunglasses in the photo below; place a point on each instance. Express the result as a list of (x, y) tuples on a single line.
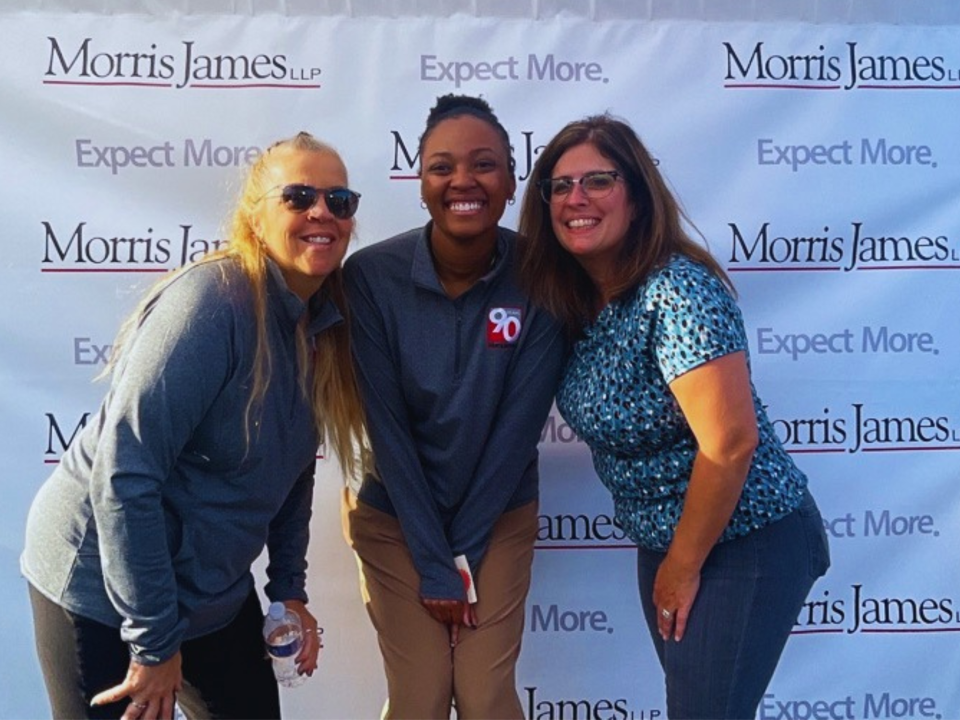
[(595, 185), (340, 201)]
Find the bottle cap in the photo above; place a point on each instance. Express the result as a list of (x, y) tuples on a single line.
[(277, 611)]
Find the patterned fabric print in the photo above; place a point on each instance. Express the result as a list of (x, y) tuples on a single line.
[(615, 395)]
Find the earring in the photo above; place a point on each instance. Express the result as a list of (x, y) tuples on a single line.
[(512, 200), (423, 204)]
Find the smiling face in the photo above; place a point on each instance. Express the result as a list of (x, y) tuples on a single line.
[(308, 245), (591, 229), (465, 179)]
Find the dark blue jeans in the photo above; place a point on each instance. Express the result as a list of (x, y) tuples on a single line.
[(751, 591)]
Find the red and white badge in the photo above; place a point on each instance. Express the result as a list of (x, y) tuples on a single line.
[(464, 567), (503, 326)]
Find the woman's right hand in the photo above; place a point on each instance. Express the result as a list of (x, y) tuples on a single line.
[(453, 614), (152, 690)]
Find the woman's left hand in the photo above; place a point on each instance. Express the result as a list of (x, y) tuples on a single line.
[(674, 591), (717, 403), (309, 654), (151, 689)]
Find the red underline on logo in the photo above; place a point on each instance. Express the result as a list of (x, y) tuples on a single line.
[(775, 86), (104, 270), (783, 269), (912, 449), (285, 86), (57, 461), (838, 269), (404, 177), (812, 451), (909, 267), (828, 631), (784, 86), (909, 87), (584, 547), (107, 84), (823, 451), (909, 630)]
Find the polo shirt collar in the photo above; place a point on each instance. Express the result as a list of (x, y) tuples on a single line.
[(424, 274), (323, 312)]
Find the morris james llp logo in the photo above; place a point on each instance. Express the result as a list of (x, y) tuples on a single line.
[(89, 63), (569, 531), (78, 249), (765, 248), (406, 156), (541, 707), (60, 434), (848, 68), (861, 429), (556, 431), (861, 611)]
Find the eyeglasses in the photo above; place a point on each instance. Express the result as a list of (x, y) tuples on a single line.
[(595, 185), (340, 201)]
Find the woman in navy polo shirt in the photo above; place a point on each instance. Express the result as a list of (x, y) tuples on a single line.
[(458, 371)]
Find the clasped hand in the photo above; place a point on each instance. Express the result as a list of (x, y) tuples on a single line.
[(453, 614)]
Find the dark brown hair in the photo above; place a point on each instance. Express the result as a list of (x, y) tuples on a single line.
[(552, 276)]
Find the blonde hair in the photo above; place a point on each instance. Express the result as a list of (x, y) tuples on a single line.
[(334, 394)]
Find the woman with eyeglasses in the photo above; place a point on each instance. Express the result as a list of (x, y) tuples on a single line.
[(458, 371), (222, 384), (729, 539)]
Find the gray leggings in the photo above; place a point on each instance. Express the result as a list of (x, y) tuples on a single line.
[(226, 673)]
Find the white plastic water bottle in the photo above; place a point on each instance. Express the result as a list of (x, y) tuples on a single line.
[(283, 635)]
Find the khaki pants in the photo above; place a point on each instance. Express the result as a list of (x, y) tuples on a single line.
[(425, 676)]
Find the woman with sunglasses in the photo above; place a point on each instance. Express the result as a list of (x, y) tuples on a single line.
[(222, 383), (658, 386), (458, 371)]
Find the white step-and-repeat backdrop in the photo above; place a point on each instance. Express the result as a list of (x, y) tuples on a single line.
[(817, 153)]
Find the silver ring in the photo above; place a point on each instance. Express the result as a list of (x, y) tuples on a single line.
[(666, 613), (138, 706)]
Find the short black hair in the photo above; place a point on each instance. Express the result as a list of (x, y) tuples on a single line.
[(453, 106)]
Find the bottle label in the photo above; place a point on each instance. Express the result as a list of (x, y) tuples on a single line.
[(285, 646)]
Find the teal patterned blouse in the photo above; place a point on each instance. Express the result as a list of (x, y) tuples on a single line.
[(615, 396)]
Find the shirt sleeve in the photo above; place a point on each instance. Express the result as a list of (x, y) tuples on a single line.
[(170, 373), (395, 452), (697, 319), (287, 541), (525, 402)]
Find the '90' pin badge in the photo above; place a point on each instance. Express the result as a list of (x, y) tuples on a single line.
[(503, 326)]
